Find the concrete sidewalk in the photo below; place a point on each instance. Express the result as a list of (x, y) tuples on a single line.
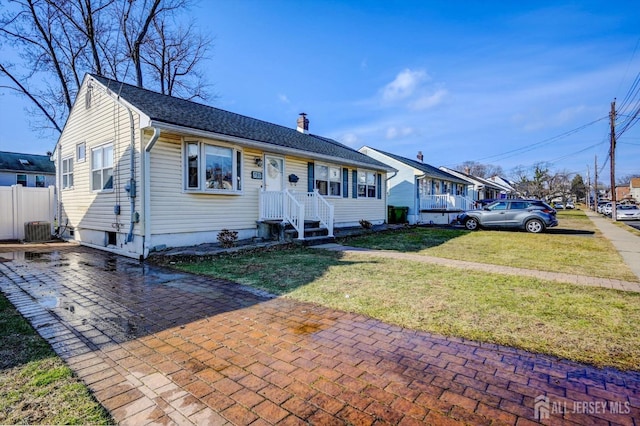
[(626, 242)]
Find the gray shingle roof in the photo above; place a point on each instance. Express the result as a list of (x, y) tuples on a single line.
[(180, 112), (10, 161), (427, 169)]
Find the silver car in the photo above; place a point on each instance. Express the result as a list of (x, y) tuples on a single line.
[(531, 215), (627, 212)]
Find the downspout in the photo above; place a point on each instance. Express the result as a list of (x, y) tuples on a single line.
[(146, 180), (386, 199), (131, 186), (59, 185)]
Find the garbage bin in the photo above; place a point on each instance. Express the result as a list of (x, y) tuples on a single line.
[(391, 214), (401, 214)]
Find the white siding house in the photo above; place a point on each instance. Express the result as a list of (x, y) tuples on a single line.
[(433, 196), (138, 170), (478, 188)]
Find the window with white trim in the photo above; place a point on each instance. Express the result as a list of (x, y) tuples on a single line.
[(40, 181), (212, 168), (81, 152), (102, 168), (21, 179), (328, 180), (366, 184), (67, 173)]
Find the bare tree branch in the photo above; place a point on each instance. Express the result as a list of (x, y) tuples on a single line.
[(23, 90)]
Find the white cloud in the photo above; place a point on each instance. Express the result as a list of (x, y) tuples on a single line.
[(404, 85), (428, 100), (283, 98), (399, 132), (350, 139)]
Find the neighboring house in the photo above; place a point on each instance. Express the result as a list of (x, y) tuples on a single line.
[(28, 170), (507, 191), (478, 188), (623, 193), (140, 171), (432, 195), (634, 189)]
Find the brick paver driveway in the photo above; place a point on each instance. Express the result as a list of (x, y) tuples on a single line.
[(156, 346)]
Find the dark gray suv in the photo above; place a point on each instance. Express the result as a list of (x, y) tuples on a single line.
[(531, 215)]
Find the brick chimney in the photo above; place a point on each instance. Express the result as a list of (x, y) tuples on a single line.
[(420, 157), (303, 123)]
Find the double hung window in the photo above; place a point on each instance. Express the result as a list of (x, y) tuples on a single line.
[(67, 173), (366, 184), (328, 180), (102, 168)]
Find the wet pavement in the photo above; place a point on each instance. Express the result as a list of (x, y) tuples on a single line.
[(161, 347)]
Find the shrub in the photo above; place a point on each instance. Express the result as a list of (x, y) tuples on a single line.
[(366, 224), (227, 238)]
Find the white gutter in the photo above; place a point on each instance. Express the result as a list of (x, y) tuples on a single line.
[(146, 181), (276, 149)]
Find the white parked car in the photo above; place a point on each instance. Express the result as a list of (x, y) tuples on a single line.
[(569, 205), (627, 212), (606, 209)]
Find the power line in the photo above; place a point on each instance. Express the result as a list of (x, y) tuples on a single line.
[(544, 142)]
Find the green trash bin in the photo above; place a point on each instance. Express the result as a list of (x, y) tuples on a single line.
[(391, 214), (401, 214)]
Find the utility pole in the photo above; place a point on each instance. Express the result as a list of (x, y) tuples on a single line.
[(595, 185), (612, 160), (587, 198)]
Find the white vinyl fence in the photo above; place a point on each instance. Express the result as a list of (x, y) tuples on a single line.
[(20, 205)]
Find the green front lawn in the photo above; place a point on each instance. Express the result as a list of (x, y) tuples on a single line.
[(574, 247)]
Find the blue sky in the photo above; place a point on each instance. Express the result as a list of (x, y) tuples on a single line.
[(490, 81)]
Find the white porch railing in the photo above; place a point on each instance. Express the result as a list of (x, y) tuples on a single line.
[(295, 208), (446, 202)]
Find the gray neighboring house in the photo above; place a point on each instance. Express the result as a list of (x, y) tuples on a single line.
[(28, 170)]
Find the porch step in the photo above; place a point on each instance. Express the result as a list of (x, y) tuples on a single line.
[(290, 234), (315, 241)]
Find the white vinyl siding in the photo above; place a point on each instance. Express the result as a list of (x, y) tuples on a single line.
[(105, 121), (176, 210)]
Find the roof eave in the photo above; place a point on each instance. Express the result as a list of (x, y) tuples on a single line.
[(188, 131)]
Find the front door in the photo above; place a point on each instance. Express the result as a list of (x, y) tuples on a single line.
[(273, 173)]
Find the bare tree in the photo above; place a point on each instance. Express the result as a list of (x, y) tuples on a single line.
[(480, 170), (137, 19), (626, 179), (57, 41), (173, 57)]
